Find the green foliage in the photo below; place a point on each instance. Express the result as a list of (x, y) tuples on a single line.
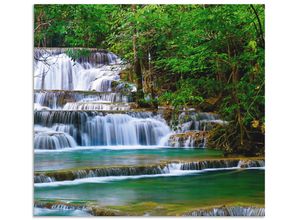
[(193, 52), (71, 25), (185, 95), (148, 103), (200, 52), (77, 53)]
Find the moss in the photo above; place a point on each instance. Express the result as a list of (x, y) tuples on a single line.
[(198, 138), (159, 209), (143, 208), (99, 211), (67, 174)]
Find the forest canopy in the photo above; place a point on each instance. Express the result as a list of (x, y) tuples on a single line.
[(210, 57)]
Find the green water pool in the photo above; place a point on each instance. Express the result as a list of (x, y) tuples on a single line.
[(196, 190), (56, 160)]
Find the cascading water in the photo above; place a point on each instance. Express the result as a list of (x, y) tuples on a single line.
[(203, 121), (59, 99), (174, 168), (68, 93), (83, 102), (228, 211), (96, 106), (48, 139), (60, 72), (76, 89), (122, 129), (112, 129), (191, 129)]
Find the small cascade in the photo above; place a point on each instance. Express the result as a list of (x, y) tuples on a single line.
[(58, 99), (228, 211), (122, 129), (100, 172), (126, 171), (251, 163), (194, 139), (191, 128), (47, 139), (189, 142), (57, 71), (209, 164), (96, 106), (92, 129), (39, 107), (61, 206), (214, 164), (200, 121), (93, 57), (49, 118), (172, 167), (43, 179), (169, 168)]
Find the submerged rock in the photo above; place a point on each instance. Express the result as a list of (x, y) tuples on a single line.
[(98, 172), (60, 205), (251, 163), (228, 211), (99, 211)]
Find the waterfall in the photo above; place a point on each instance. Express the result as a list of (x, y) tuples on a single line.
[(122, 129), (47, 139), (67, 94), (92, 129), (84, 103), (61, 73), (55, 70), (43, 179)]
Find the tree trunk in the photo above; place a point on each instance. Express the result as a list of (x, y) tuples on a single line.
[(262, 39), (136, 61)]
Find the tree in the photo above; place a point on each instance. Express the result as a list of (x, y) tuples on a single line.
[(210, 57), (72, 25), (136, 60)]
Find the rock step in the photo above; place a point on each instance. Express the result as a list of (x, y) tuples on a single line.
[(86, 92), (62, 175), (57, 99), (91, 209), (94, 56), (104, 106)]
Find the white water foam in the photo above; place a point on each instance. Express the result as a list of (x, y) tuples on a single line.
[(57, 212), (174, 170), (116, 147)]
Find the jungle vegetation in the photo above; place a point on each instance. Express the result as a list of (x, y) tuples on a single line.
[(210, 57)]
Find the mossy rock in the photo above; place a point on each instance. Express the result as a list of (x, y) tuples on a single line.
[(99, 211), (197, 137)]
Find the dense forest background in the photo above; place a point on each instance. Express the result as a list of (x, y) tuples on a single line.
[(210, 57)]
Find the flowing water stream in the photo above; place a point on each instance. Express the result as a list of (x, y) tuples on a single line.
[(95, 147)]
